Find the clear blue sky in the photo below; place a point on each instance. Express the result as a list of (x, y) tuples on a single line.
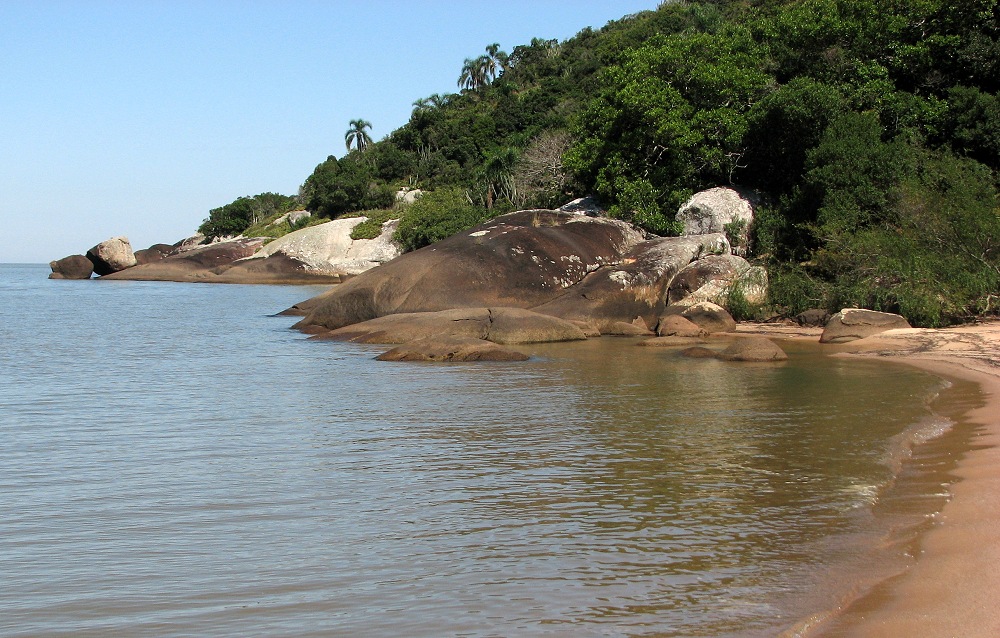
[(135, 118)]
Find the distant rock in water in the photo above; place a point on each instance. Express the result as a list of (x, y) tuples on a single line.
[(851, 324), (72, 267), (111, 256), (202, 263)]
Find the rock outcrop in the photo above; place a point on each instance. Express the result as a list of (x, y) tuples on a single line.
[(202, 263), (678, 326), (328, 248), (522, 259), (854, 323), (111, 256), (72, 267)]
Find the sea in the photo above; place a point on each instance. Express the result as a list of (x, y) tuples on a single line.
[(176, 460)]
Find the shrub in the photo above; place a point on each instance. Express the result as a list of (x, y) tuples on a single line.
[(437, 214), (372, 227)]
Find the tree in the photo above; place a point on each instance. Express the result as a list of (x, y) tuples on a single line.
[(358, 135), (473, 74)]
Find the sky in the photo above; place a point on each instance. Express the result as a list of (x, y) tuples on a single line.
[(136, 118)]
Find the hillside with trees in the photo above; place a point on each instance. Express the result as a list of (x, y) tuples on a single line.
[(869, 130)]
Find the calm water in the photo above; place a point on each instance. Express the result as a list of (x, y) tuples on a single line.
[(174, 461)]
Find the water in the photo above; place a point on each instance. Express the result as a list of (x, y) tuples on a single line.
[(174, 461)]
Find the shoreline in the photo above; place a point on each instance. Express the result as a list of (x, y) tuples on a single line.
[(950, 588)]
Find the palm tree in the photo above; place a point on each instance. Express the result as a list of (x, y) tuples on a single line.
[(357, 135), (472, 76), (496, 60)]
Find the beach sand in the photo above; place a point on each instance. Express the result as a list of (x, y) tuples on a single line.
[(953, 586)]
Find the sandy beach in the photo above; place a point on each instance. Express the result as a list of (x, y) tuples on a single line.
[(951, 588)]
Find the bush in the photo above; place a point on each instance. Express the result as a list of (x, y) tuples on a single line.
[(372, 227), (436, 215)]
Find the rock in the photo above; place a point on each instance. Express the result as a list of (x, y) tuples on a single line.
[(190, 243), (678, 326), (709, 317), (711, 210), (72, 267), (451, 348), (202, 263), (634, 287), (154, 253), (499, 325), (854, 323), (672, 340), (699, 352), (753, 349), (111, 256), (328, 248), (711, 268), (625, 329), (583, 206), (291, 218), (408, 195), (813, 318), (522, 259)]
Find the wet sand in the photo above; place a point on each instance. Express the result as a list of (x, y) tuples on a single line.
[(951, 588)]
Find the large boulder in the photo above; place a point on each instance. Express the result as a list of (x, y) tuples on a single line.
[(72, 267), (499, 325), (710, 211), (451, 348), (522, 259), (328, 248), (851, 324), (111, 256)]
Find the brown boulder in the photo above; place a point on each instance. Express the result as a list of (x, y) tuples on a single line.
[(708, 316), (521, 259), (499, 325), (813, 318), (678, 326), (753, 349), (854, 323), (72, 267), (451, 348), (111, 256)]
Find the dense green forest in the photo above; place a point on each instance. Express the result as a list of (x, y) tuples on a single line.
[(869, 129)]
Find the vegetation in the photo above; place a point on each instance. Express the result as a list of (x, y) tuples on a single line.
[(870, 129), (239, 215)]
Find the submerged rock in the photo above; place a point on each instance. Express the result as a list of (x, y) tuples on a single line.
[(753, 349), (451, 348)]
